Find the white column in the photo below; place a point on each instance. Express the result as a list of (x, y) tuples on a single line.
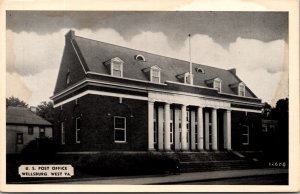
[(206, 118), (214, 130), (183, 128), (176, 129), (200, 128), (150, 125), (193, 130), (167, 145), (160, 128), (227, 129)]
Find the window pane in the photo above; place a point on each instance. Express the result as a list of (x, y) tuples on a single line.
[(30, 130), (119, 123), (245, 138), (155, 72), (117, 73), (119, 135), (116, 65), (42, 132), (19, 138), (78, 123), (78, 135), (155, 79)]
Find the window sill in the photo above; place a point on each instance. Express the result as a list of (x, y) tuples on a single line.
[(121, 142)]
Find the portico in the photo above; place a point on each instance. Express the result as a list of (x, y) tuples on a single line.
[(193, 126)]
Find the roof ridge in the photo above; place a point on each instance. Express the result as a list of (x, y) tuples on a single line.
[(149, 53)]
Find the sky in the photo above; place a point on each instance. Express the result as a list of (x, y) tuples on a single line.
[(255, 43)]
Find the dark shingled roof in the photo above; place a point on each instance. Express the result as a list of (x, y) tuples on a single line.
[(21, 115), (95, 53)]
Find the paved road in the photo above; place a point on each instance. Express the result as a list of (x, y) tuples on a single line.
[(280, 179)]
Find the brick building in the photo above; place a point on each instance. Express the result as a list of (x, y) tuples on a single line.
[(109, 97)]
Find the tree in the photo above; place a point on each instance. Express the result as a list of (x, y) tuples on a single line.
[(14, 101), (266, 112), (46, 110)]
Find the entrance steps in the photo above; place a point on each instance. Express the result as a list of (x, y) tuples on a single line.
[(213, 161)]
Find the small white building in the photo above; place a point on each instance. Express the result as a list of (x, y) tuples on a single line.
[(23, 126)]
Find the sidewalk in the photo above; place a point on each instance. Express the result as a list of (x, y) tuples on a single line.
[(184, 177)]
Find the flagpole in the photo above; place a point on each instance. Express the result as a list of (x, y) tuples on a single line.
[(190, 56)]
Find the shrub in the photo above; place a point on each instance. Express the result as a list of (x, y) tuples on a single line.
[(39, 150), (111, 164)]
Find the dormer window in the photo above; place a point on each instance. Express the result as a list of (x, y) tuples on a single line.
[(116, 67), (153, 73), (140, 58), (241, 89), (215, 83), (185, 78), (218, 84)]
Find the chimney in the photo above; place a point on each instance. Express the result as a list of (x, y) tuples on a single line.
[(70, 35), (33, 109), (233, 71)]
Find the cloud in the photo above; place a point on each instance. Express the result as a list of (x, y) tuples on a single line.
[(261, 65), (17, 88), (30, 53)]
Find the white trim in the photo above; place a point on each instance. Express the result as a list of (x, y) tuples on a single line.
[(77, 118), (125, 78), (151, 74), (220, 82), (112, 66), (78, 56), (101, 94), (124, 129), (183, 84), (239, 90), (137, 56), (146, 88), (246, 110), (149, 89)]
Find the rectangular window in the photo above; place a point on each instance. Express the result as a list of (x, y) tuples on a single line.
[(120, 129), (116, 68), (217, 85), (155, 125), (241, 90), (187, 125), (78, 128), (245, 134), (63, 135), (42, 132), (155, 75), (30, 130), (264, 128), (171, 126), (19, 138)]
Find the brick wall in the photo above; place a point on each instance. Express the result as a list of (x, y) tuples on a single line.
[(253, 121), (97, 121)]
